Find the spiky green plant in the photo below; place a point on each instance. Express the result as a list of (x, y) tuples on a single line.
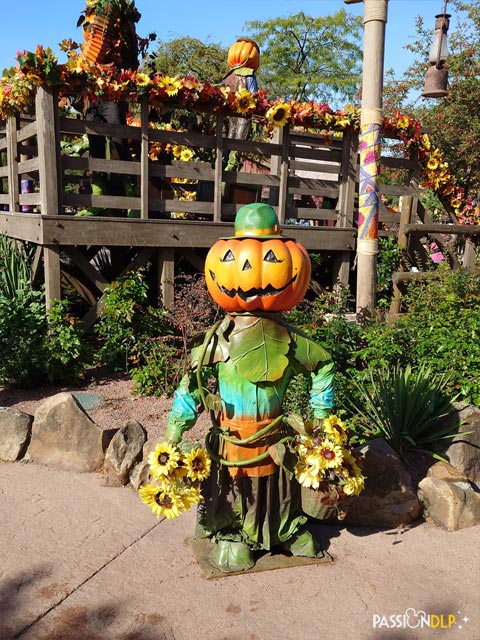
[(405, 407)]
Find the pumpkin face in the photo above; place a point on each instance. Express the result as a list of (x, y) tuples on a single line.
[(244, 52), (248, 274)]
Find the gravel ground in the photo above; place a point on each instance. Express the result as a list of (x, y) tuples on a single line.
[(118, 404)]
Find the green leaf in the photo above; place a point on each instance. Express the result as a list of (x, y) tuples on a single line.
[(258, 347), (297, 423), (213, 402), (308, 352)]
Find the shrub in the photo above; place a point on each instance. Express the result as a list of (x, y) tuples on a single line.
[(126, 320)]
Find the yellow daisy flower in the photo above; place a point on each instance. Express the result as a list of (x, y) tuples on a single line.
[(198, 464), (335, 429), (354, 485), (163, 460), (330, 454), (142, 80), (162, 501), (278, 114), (432, 163), (245, 101)]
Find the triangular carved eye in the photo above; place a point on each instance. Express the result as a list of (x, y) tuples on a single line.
[(228, 257), (270, 257)]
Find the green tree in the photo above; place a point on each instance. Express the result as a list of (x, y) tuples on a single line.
[(189, 56), (310, 58), (452, 122)]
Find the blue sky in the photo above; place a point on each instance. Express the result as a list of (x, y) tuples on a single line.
[(30, 22)]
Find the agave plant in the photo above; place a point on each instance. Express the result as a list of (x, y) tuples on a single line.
[(405, 407)]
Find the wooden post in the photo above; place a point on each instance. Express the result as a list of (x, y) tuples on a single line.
[(217, 194), (346, 203), (166, 275), (12, 163), (283, 189), (406, 210), (48, 157), (144, 162), (375, 18)]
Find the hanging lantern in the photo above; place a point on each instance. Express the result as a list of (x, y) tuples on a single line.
[(436, 79)]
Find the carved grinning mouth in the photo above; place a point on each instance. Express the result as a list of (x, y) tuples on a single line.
[(251, 294)]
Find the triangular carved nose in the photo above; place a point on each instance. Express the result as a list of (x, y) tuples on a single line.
[(246, 266)]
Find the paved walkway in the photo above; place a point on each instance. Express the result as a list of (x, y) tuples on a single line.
[(81, 561)]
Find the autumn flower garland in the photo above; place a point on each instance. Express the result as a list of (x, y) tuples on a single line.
[(78, 79)]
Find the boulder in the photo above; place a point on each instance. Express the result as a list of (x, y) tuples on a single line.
[(445, 471), (64, 435), (451, 504), (123, 452), (463, 451), (388, 499), (15, 431), (141, 473)]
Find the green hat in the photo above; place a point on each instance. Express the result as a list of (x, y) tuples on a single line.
[(256, 220)]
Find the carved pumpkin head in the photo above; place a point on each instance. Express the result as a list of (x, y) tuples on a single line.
[(257, 269), (244, 53)]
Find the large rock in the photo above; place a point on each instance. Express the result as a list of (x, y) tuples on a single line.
[(141, 471), (63, 435), (15, 431), (124, 451), (463, 451), (388, 499), (451, 504)]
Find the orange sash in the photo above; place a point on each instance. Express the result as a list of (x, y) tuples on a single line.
[(243, 429)]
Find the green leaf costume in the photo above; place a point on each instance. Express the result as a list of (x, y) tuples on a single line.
[(252, 358)]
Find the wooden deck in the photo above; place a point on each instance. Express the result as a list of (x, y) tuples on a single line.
[(299, 170)]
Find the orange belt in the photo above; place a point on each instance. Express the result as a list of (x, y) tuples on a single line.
[(243, 429)]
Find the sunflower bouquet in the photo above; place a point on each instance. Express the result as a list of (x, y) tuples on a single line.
[(177, 473), (326, 468)]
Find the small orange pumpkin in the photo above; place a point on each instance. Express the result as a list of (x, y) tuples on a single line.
[(244, 53)]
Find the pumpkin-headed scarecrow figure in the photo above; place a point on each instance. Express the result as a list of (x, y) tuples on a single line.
[(243, 60), (251, 501)]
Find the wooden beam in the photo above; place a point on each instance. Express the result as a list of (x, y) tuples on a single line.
[(86, 267)]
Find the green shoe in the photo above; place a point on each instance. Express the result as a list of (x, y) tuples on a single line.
[(303, 544), (231, 557)]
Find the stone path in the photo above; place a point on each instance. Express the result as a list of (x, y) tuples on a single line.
[(82, 561)]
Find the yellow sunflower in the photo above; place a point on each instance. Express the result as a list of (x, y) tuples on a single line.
[(245, 100), (162, 501), (177, 150), (163, 460), (171, 85), (432, 163), (335, 429), (330, 454), (308, 471), (278, 114), (142, 80), (354, 485), (190, 496), (197, 464), (186, 154)]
